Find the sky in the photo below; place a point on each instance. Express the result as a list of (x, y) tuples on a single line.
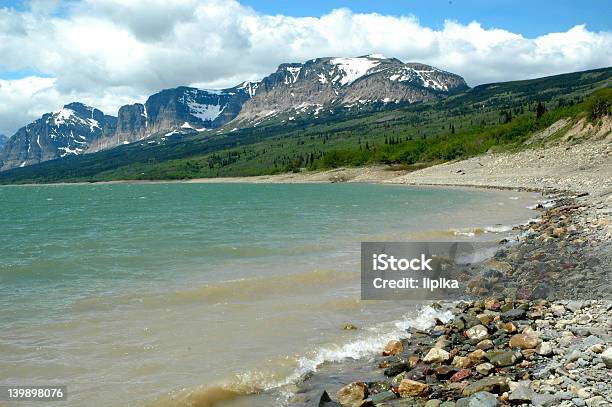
[(108, 53)]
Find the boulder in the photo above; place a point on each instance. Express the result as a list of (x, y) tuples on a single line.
[(477, 355), (521, 395), (436, 355), (544, 349), (462, 362), (352, 394), (546, 400), (480, 399), (510, 327), (503, 358), (444, 372), (396, 368), (557, 310), (485, 344), (485, 368), (590, 341), (418, 373), (410, 388), (485, 319), (491, 384), (478, 332), (514, 314), (393, 348), (524, 341), (574, 305), (461, 375), (606, 356)]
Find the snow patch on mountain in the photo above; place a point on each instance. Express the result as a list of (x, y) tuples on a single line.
[(204, 112), (68, 150), (293, 71), (62, 116), (250, 87), (427, 78), (351, 69)]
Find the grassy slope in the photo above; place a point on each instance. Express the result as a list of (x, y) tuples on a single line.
[(459, 126)]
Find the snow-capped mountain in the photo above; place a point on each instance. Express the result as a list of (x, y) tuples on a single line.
[(344, 81), (3, 140), (68, 131), (179, 108), (302, 88)]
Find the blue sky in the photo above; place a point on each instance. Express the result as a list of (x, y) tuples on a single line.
[(530, 18)]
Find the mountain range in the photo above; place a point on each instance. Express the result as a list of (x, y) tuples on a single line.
[(489, 117), (307, 88)]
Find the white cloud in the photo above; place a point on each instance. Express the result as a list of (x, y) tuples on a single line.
[(109, 52), (23, 99)]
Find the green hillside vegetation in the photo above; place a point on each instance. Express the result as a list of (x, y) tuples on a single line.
[(488, 117)]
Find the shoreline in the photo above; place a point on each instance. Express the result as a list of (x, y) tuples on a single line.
[(532, 343), (544, 338), (565, 167), (550, 353)]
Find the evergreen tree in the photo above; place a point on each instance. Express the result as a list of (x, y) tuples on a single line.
[(540, 110)]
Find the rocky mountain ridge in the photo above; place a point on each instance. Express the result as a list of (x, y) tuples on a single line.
[(307, 87), (323, 82)]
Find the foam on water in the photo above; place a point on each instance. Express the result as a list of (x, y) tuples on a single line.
[(252, 382)]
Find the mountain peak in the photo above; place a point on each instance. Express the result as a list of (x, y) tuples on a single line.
[(68, 131), (344, 81)]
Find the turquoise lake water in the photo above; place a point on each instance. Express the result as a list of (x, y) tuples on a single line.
[(130, 292)]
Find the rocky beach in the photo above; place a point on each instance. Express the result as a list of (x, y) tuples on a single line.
[(494, 352), (540, 333), (535, 327)]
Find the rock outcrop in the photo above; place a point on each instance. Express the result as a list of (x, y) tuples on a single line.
[(319, 83), (68, 131)]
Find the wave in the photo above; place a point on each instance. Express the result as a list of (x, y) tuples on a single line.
[(371, 342), (549, 203), (471, 232)]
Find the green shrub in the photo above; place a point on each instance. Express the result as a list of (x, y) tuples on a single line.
[(599, 103)]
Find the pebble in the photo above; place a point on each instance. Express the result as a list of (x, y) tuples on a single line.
[(436, 355)]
